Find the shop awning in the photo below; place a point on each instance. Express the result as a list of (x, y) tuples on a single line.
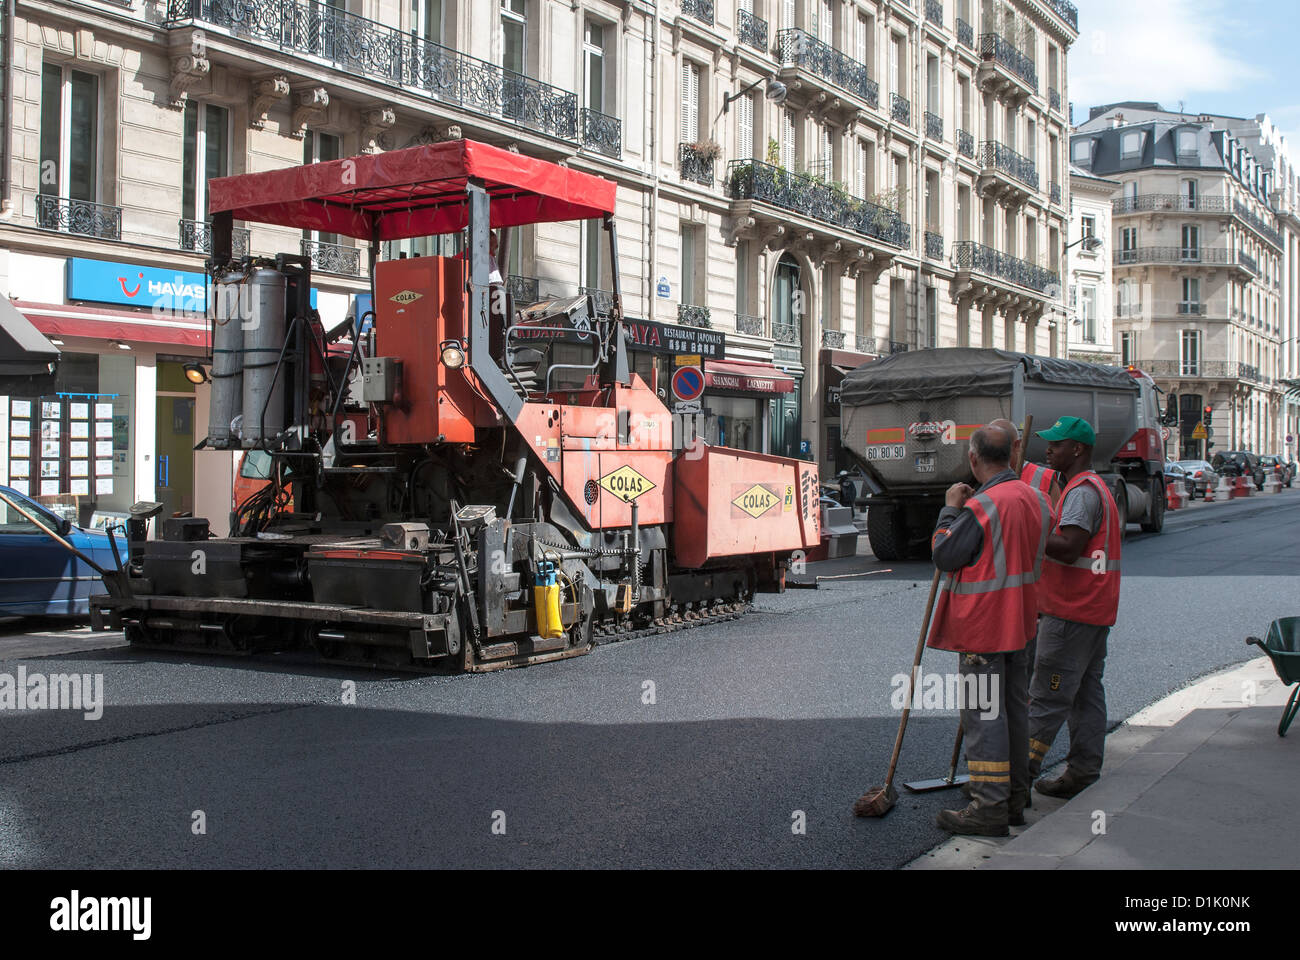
[(125, 326), (745, 377), (24, 350)]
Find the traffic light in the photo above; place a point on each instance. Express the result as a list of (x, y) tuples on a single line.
[(1208, 410)]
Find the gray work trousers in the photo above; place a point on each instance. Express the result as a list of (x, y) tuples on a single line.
[(1066, 688), (997, 730)]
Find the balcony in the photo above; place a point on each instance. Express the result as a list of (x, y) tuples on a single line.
[(370, 50), (879, 346), (1054, 99), (833, 339), (80, 217), (701, 10), (333, 257), (1248, 262), (934, 12), (1171, 202), (900, 109), (1188, 309), (1201, 369), (749, 325), (975, 257), (1256, 224), (804, 56), (692, 316), (786, 333), (965, 144), (697, 163), (1006, 174), (815, 200), (601, 132), (933, 127), (1189, 257), (196, 236), (934, 245), (1054, 191), (965, 34), (1005, 72), (1066, 11), (751, 31)]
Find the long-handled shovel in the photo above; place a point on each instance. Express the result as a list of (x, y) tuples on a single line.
[(878, 801)]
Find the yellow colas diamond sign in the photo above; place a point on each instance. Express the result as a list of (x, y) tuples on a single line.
[(756, 501), (626, 484)]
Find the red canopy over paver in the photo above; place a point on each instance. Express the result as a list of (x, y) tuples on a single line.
[(416, 192)]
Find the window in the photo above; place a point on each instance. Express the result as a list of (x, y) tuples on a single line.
[(863, 308), (1088, 228), (593, 54), (898, 64), (1031, 239), (932, 98), (963, 101), (69, 133), (1126, 351), (1190, 352), (205, 154), (824, 21), (514, 35), (1187, 146), (318, 148), (963, 212), (862, 41), (1126, 298), (787, 140), (1009, 126), (787, 14), (866, 172), (1131, 191), (1191, 302), (690, 245), (1088, 312), (745, 127), (830, 298), (742, 278), (690, 102), (1189, 193), (1128, 244), (426, 19), (1130, 144), (1191, 249), (1082, 152), (931, 317), (932, 221)]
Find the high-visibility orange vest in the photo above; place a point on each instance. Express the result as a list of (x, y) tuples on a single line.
[(1087, 591), (991, 606), (1040, 478)]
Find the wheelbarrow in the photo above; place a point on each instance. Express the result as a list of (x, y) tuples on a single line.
[(1283, 647)]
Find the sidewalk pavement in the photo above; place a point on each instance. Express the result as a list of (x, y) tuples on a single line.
[(1199, 780)]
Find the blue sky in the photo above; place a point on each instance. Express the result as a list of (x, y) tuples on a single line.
[(1236, 57)]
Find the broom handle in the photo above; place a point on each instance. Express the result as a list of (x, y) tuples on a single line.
[(956, 752), (911, 680), (1024, 442)]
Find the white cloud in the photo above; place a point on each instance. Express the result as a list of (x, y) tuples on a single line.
[(1162, 50)]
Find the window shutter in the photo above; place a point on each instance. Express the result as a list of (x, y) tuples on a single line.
[(860, 40), (745, 127), (690, 102), (787, 14), (787, 139)]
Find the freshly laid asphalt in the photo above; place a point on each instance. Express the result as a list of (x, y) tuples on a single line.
[(786, 710)]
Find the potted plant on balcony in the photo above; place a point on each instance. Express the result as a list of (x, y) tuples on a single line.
[(707, 150)]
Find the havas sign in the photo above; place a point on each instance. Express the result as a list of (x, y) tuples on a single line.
[(133, 285)]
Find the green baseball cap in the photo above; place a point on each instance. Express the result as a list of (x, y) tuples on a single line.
[(1071, 428)]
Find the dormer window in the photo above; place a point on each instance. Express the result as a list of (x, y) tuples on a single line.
[(1187, 145), (1130, 145), (1083, 152)]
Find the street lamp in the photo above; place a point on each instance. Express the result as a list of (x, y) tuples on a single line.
[(775, 91), (1090, 244)]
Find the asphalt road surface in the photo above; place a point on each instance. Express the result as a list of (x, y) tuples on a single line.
[(786, 710)]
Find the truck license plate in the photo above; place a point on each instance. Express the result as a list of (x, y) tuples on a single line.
[(925, 463), (886, 451)]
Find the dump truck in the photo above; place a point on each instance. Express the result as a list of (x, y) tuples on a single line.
[(431, 497), (906, 419)]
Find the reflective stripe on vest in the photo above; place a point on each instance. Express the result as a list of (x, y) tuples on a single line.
[(991, 605), (1040, 478), (1087, 590)]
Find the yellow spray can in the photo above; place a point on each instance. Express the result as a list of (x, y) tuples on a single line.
[(546, 603)]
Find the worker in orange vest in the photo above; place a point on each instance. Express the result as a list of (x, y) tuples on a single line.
[(1039, 477), (990, 543), (1079, 601)]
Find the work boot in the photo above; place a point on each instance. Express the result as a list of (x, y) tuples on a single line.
[(1028, 804), (1065, 786), (974, 822)]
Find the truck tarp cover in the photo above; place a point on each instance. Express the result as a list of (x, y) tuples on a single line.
[(967, 372)]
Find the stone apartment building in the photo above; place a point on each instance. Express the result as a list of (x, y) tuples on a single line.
[(819, 182), (1200, 263)]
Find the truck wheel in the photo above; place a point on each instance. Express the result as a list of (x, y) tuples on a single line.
[(886, 532), (1156, 523), (1121, 502)]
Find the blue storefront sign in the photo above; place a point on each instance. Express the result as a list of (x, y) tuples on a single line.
[(133, 285)]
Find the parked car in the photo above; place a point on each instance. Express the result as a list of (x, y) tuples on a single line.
[(1200, 475), (1175, 475), (1277, 467), (38, 577), (1239, 463)]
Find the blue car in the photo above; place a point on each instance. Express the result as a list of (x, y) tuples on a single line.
[(38, 577)]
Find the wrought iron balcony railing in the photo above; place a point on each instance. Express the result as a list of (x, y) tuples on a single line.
[(978, 258), (1066, 11), (81, 217), (1188, 309), (751, 30), (1213, 256), (752, 326), (375, 51), (994, 46), (701, 10), (879, 346), (196, 235), (1155, 202), (601, 132), (966, 144), (753, 180), (965, 34), (900, 108), (689, 315), (998, 156), (786, 332), (798, 48), (934, 245), (1055, 191), (1203, 369), (696, 164), (1053, 99), (1260, 227), (934, 12), (933, 126), (524, 291), (333, 257), (833, 339), (1246, 260), (602, 300)]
